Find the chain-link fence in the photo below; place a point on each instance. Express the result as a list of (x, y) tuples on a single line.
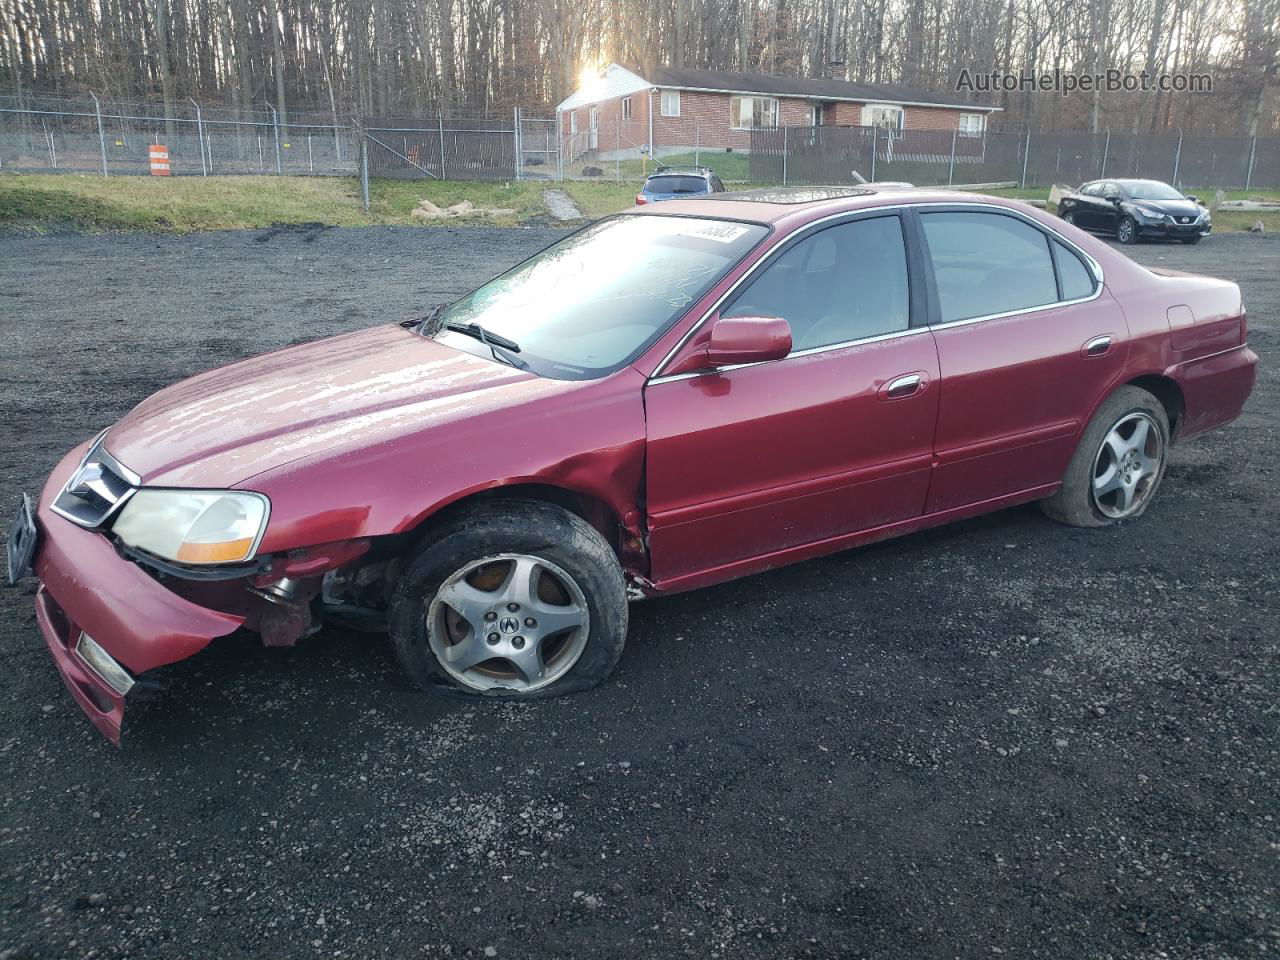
[(113, 138), (841, 155)]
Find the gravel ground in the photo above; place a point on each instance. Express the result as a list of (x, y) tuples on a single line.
[(1002, 738)]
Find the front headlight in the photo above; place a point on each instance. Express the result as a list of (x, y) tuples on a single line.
[(194, 526)]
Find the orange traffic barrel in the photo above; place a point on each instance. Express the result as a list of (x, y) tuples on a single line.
[(159, 160)]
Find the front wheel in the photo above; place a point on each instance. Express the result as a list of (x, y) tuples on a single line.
[(1117, 468), (511, 598), (1127, 230), (1069, 217)]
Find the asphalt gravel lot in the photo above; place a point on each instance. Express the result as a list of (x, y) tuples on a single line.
[(1002, 738)]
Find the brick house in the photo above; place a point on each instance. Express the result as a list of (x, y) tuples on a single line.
[(675, 109)]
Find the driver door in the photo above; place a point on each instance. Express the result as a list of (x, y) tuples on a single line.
[(837, 437)]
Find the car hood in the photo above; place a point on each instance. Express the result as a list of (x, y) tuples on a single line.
[(1175, 208), (220, 428)]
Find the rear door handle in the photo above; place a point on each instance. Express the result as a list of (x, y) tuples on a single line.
[(1098, 346), (899, 388)]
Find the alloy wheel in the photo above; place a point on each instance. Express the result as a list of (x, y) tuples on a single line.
[(1127, 467), (1125, 233), (514, 621)]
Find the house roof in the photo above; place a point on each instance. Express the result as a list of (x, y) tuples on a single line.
[(619, 81), (687, 79)]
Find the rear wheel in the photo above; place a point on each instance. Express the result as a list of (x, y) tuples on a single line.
[(1127, 230), (1117, 468), (514, 599)]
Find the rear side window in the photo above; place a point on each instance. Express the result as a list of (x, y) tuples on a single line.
[(1076, 279), (844, 283), (987, 263), (676, 185)]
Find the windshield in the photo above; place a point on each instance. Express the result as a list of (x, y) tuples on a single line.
[(675, 185), (1151, 190), (594, 301)]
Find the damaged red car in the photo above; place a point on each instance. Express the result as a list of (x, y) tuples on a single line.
[(663, 400)]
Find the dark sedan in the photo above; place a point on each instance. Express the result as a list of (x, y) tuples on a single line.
[(1134, 209)]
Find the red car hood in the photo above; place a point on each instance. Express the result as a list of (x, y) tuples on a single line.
[(222, 427)]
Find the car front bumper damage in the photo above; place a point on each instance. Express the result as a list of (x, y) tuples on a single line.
[(105, 619)]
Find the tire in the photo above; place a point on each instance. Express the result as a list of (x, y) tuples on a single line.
[(1069, 217), (1127, 230), (1192, 240), (1078, 503), (483, 560)]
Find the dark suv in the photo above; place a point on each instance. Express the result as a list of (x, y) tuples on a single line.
[(670, 183)]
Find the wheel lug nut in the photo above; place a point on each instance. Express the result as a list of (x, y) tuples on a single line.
[(491, 616), (493, 638), (513, 607), (530, 622), (517, 642)]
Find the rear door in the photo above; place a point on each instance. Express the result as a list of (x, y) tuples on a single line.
[(1028, 343), (837, 437)]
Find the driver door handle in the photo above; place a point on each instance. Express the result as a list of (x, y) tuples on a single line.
[(899, 388)]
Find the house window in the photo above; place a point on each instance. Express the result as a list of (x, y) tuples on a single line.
[(749, 113), (883, 115), (573, 121), (815, 115), (626, 108), (972, 124), (671, 103)]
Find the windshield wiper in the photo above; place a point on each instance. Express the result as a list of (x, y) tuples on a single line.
[(425, 325), (493, 341)]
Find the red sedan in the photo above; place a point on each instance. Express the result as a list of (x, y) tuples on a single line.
[(666, 399)]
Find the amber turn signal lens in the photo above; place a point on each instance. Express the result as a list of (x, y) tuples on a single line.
[(228, 552)]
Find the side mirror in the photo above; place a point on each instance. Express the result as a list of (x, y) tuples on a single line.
[(1193, 198), (748, 340)]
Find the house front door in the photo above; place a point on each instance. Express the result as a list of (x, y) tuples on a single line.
[(593, 130)]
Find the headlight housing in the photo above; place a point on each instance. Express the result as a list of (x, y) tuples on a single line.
[(197, 527)]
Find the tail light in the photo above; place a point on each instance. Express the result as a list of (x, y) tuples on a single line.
[(640, 200)]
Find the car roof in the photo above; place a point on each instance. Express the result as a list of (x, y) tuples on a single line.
[(798, 205), (681, 172)]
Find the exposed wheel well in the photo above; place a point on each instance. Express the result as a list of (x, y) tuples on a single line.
[(1168, 393)]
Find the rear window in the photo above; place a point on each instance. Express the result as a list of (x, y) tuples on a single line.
[(676, 185)]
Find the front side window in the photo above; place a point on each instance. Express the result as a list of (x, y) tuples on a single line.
[(844, 283), (988, 263), (671, 103), (597, 299), (749, 113)]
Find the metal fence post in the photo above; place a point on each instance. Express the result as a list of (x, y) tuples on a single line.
[(275, 129), (784, 156), (1106, 149), (364, 168), (697, 142), (875, 135), (441, 124), (311, 160), (1026, 155), (515, 137), (617, 151), (951, 169), (1177, 158), (204, 169), (1248, 177), (102, 139)]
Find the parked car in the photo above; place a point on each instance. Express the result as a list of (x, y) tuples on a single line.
[(672, 183), (664, 400), (1135, 209)]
